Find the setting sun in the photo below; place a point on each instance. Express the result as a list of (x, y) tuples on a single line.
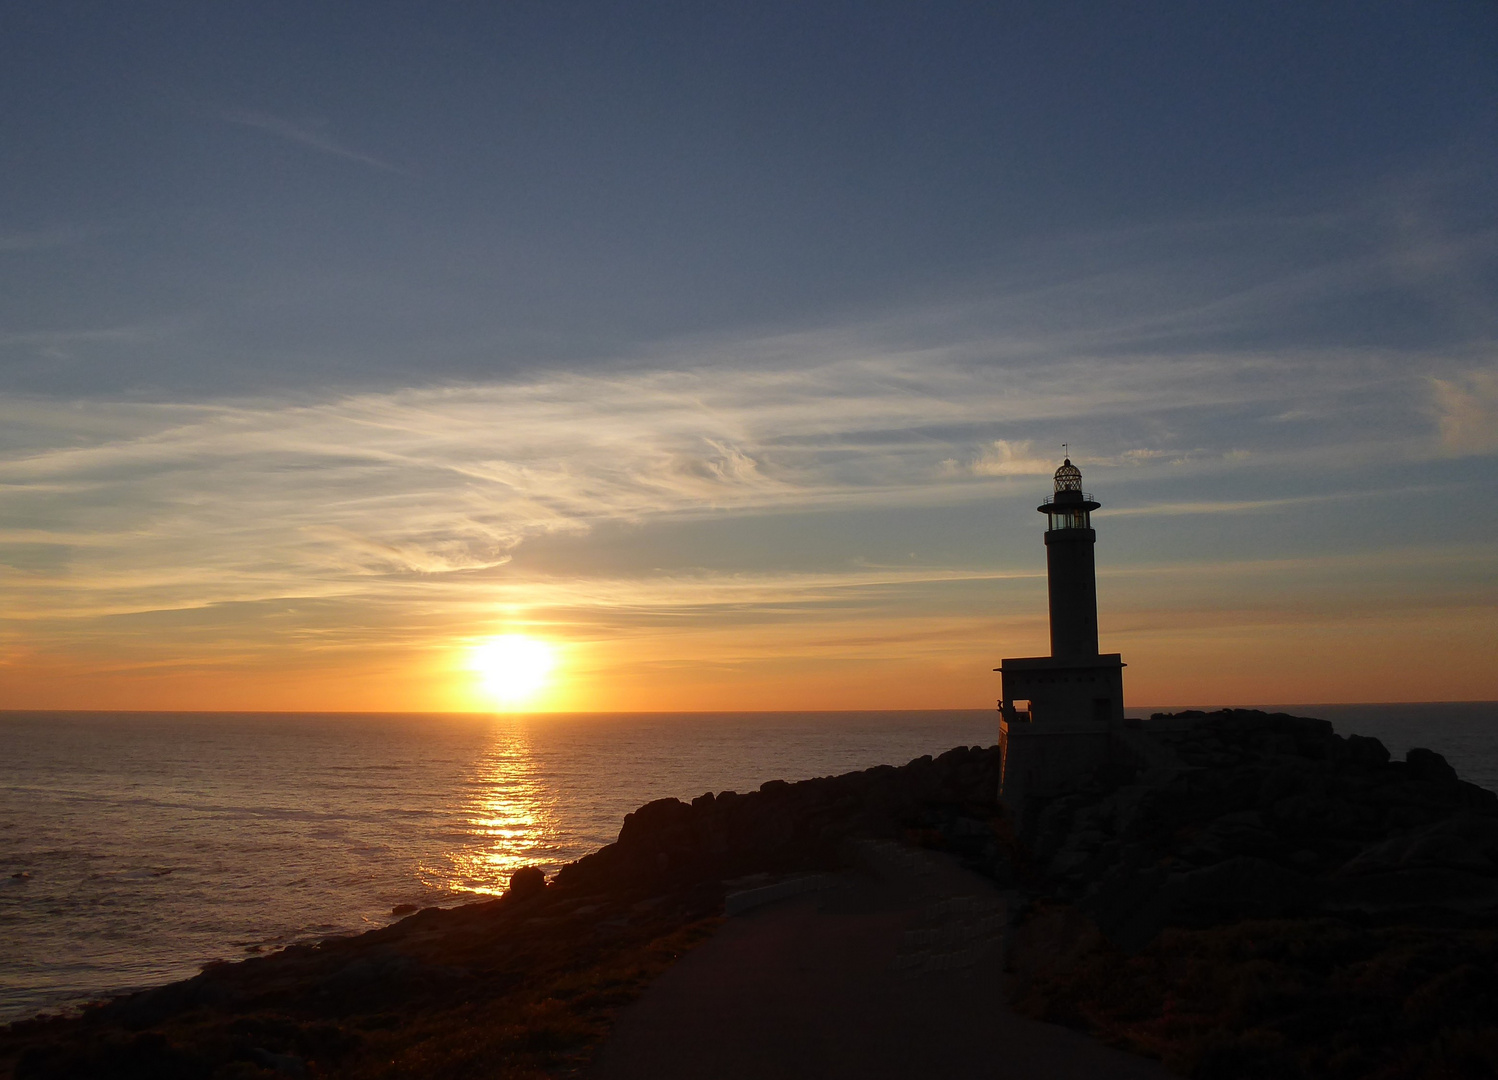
[(513, 669)]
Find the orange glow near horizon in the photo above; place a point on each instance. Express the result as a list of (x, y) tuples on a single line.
[(719, 541), (1229, 633), (901, 660)]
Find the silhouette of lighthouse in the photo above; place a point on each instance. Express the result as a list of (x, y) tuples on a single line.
[(1071, 573), (1060, 713)]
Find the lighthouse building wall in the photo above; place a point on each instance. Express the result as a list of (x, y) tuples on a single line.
[(1057, 723)]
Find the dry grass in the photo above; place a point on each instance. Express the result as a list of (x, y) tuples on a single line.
[(495, 991), (548, 1026)]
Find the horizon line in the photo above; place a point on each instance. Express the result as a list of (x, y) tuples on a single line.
[(709, 712)]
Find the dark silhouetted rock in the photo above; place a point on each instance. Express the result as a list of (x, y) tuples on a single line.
[(1266, 815), (784, 826), (1430, 766), (1263, 898), (527, 881)]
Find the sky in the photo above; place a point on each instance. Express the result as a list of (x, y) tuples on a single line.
[(727, 350)]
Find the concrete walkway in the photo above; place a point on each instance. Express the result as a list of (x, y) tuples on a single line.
[(889, 972)]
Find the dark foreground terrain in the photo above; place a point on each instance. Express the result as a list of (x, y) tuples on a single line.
[(1274, 901), (1257, 897), (522, 986)]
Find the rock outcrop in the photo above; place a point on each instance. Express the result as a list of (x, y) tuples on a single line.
[(784, 826), (1265, 816), (1258, 897)]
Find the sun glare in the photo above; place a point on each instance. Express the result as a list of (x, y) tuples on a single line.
[(513, 670)]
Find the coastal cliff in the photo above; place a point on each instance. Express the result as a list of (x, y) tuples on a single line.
[(1246, 895)]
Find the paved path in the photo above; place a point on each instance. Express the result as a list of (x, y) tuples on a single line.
[(890, 972)]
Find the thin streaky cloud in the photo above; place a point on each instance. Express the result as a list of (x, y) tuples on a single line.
[(1467, 408), (1241, 506), (422, 496), (306, 136)]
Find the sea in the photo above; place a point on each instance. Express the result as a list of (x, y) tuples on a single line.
[(137, 847)]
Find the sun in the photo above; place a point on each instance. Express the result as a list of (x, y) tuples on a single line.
[(513, 669)]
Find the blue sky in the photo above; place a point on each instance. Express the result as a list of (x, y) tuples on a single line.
[(732, 350)]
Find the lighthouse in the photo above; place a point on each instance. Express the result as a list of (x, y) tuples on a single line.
[(1071, 573), (1059, 714)]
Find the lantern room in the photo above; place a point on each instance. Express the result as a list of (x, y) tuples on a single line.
[(1069, 507)]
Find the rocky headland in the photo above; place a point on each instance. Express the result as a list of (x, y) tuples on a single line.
[(1247, 895), (1262, 898)]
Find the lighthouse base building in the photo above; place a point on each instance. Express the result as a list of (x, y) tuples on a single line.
[(1057, 723), (1061, 717)]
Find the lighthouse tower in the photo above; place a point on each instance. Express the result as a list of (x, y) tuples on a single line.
[(1071, 574), (1059, 713)]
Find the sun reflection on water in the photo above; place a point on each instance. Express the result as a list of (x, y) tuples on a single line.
[(507, 819)]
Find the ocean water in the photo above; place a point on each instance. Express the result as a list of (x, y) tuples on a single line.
[(136, 847)]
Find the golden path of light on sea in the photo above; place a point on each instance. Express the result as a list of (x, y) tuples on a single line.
[(507, 820)]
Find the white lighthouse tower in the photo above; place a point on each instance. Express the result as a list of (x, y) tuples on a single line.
[(1059, 713)]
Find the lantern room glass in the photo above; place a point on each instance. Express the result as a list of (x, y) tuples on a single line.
[(1068, 519)]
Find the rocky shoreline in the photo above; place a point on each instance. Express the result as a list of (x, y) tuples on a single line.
[(1250, 895), (523, 986)]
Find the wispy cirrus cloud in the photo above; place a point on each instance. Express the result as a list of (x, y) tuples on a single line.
[(120, 507), (309, 134), (1006, 457), (625, 511), (1467, 411)]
